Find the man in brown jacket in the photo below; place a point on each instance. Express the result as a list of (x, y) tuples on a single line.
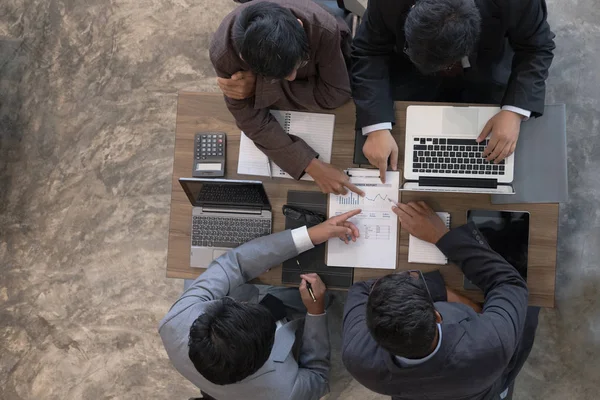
[(283, 55)]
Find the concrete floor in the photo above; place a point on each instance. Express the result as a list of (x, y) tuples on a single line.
[(88, 93)]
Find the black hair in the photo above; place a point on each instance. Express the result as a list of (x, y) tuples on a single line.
[(231, 340), (401, 316), (270, 39), (440, 32)]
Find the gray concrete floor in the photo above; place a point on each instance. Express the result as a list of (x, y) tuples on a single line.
[(87, 115)]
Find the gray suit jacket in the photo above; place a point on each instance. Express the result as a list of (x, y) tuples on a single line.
[(282, 376), (479, 352)]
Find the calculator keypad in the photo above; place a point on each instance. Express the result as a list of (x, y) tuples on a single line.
[(209, 145)]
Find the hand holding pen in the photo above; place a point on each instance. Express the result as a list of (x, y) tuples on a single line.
[(313, 298)]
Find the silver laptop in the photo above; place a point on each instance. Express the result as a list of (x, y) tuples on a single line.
[(441, 154), (226, 214)]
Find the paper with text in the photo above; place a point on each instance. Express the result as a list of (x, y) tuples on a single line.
[(378, 225)]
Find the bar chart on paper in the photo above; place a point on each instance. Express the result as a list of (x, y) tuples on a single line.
[(377, 224)]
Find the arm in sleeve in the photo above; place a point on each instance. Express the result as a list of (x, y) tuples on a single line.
[(312, 381), (288, 151), (370, 73), (359, 349), (506, 294), (532, 40), (234, 268), (330, 88)]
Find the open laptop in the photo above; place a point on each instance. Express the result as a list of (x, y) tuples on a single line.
[(226, 214), (441, 154)]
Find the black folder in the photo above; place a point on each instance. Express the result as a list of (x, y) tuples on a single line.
[(313, 260)]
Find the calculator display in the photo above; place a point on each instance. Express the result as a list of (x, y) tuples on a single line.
[(208, 167)]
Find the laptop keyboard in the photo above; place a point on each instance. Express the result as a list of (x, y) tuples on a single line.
[(238, 194), (453, 156), (227, 232)]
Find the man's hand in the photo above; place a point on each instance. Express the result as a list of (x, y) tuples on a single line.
[(337, 226), (318, 288), (380, 146), (242, 85), (421, 221), (504, 127), (330, 179)]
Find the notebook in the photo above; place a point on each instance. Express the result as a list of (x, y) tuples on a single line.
[(315, 129), (422, 252)]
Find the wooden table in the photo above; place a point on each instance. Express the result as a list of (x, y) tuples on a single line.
[(207, 112)]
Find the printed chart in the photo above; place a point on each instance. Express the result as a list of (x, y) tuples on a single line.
[(377, 224)]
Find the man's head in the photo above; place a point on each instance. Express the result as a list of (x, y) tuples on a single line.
[(271, 40), (401, 316), (439, 33), (231, 340)]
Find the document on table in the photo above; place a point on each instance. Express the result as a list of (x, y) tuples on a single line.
[(315, 129), (378, 225)]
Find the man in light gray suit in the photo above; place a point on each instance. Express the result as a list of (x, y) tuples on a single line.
[(238, 350)]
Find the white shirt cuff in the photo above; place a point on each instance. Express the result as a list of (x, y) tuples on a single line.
[(302, 240), (517, 110), (316, 315), (377, 127)]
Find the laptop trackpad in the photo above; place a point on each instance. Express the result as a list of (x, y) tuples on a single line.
[(218, 253), (460, 121)]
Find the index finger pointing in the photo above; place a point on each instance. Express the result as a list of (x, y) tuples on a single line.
[(343, 217), (382, 170), (354, 188)]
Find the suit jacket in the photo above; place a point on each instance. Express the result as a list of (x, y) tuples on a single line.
[(521, 23), (478, 351), (322, 84), (282, 376)]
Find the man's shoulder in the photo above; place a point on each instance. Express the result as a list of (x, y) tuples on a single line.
[(221, 50)]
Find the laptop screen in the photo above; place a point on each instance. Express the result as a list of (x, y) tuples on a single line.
[(225, 193)]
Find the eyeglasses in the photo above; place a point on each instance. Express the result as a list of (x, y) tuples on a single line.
[(415, 273), (311, 218)]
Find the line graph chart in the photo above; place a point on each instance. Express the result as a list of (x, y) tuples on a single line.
[(377, 199)]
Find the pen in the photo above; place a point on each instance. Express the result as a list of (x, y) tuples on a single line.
[(308, 285), (392, 201), (269, 167)]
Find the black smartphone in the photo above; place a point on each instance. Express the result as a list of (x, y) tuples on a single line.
[(507, 233)]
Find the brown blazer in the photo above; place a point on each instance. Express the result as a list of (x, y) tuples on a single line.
[(322, 84)]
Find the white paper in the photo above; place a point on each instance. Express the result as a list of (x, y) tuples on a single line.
[(315, 129), (420, 251), (378, 225)]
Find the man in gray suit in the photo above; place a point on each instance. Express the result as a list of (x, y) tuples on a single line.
[(403, 341), (234, 349)]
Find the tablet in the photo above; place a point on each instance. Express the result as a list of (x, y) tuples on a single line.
[(507, 233)]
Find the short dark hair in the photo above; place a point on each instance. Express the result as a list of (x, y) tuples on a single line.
[(270, 39), (401, 316), (440, 32), (231, 340)]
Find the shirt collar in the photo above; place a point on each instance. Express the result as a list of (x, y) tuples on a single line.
[(411, 362)]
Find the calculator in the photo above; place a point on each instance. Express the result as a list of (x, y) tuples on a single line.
[(209, 154)]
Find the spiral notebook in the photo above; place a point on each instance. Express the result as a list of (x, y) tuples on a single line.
[(422, 252), (315, 129)]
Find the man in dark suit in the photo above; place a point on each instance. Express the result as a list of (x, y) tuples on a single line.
[(402, 341), (476, 51)]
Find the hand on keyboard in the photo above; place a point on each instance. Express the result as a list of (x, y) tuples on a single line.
[(504, 127)]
